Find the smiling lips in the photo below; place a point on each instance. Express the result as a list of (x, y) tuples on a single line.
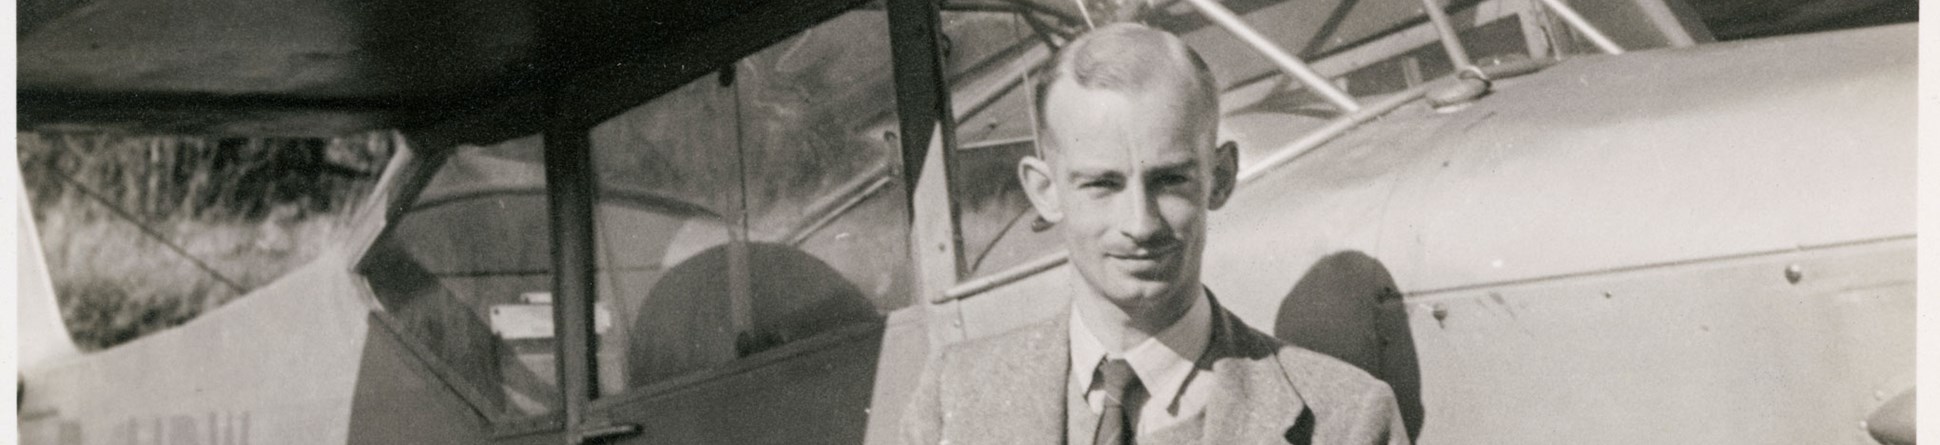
[(1145, 260)]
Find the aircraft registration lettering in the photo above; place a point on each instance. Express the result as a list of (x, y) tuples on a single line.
[(213, 428), (48, 429)]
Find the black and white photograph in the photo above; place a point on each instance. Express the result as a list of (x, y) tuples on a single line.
[(904, 222)]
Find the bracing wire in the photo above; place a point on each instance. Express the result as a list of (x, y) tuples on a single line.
[(1086, 13), (150, 232)]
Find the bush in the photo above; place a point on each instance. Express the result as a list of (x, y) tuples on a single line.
[(144, 233)]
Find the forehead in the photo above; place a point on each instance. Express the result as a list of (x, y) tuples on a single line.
[(1093, 126)]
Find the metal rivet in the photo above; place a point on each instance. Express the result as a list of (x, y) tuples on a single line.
[(1794, 273), (1434, 310)]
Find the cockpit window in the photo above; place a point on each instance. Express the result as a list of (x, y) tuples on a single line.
[(466, 274), (752, 209), (994, 218), (736, 215)]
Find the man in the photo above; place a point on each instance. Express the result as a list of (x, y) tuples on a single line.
[(1128, 170)]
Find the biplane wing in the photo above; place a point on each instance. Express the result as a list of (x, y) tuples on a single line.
[(328, 67)]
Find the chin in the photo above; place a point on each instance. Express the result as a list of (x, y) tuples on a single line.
[(1135, 287), (1139, 293)]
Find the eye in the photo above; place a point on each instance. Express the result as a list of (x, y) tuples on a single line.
[(1171, 179), (1101, 184)]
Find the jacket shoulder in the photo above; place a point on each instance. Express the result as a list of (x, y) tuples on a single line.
[(970, 384), (1352, 405), (1314, 368), (978, 350), (1312, 371)]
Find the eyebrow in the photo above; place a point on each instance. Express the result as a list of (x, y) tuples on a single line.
[(1091, 173), (1186, 165)]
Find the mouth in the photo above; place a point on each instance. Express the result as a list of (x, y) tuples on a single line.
[(1144, 255)]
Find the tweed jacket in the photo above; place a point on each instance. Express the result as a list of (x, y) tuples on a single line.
[(1011, 389)]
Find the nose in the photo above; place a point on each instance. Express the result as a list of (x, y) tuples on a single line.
[(1140, 220)]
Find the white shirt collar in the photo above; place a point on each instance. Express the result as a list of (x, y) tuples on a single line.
[(1162, 362)]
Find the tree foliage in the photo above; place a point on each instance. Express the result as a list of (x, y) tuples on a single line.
[(142, 233)]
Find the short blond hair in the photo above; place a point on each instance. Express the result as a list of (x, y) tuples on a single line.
[(1130, 58)]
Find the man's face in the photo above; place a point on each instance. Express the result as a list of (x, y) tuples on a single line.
[(1129, 181)]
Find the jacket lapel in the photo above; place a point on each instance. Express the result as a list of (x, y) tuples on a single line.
[(1253, 400), (1017, 397)]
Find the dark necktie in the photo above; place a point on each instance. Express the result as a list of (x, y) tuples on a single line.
[(1115, 377)]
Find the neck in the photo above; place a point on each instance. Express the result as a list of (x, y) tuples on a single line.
[(1118, 327)]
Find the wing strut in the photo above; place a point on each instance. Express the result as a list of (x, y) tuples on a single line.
[(1577, 22), (1225, 18), (1450, 41)]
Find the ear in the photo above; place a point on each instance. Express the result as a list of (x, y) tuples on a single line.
[(1225, 173), (1041, 186)]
